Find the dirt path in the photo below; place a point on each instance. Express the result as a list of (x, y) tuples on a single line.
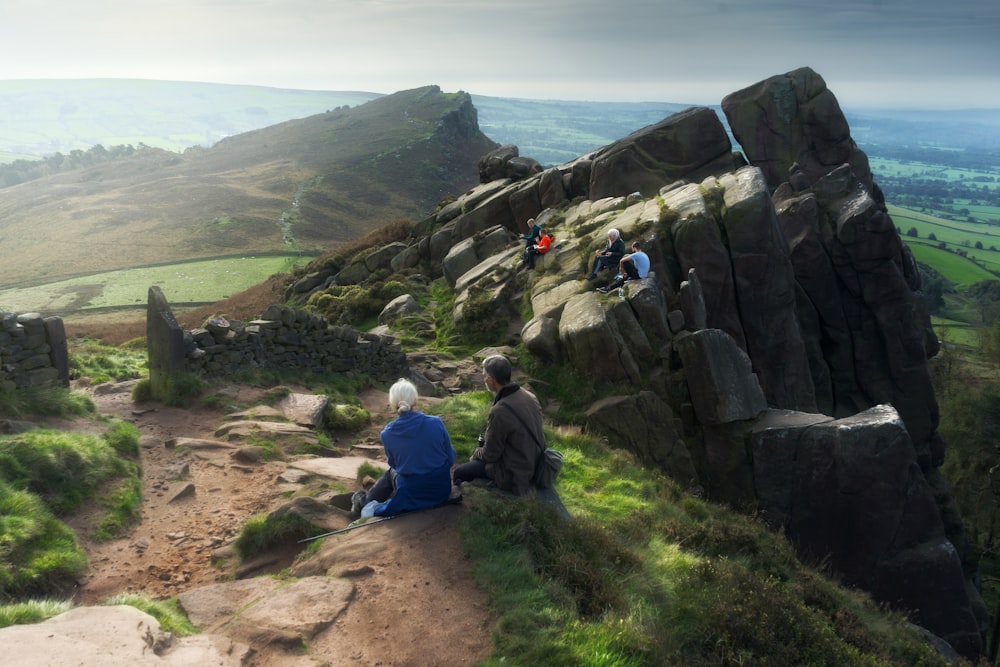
[(414, 592)]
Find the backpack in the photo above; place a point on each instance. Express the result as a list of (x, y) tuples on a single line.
[(549, 461), (547, 467)]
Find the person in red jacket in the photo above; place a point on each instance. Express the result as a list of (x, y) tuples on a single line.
[(543, 246)]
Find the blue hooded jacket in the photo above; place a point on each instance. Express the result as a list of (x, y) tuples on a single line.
[(419, 449)]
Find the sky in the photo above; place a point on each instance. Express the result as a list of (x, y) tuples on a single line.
[(930, 54)]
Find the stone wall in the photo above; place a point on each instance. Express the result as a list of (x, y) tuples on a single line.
[(290, 339), (32, 351)]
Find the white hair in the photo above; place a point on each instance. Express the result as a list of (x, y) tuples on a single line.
[(402, 395)]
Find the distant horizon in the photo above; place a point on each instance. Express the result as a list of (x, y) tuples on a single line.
[(591, 100)]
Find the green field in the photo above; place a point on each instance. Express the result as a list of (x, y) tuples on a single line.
[(204, 281)]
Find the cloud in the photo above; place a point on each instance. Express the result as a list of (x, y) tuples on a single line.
[(876, 52)]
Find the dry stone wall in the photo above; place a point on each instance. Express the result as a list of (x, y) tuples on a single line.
[(32, 351), (291, 339)]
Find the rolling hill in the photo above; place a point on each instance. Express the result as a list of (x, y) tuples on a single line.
[(299, 185)]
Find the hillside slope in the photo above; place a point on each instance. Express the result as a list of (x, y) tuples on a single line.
[(301, 184)]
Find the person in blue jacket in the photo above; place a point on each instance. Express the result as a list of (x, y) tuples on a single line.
[(420, 455)]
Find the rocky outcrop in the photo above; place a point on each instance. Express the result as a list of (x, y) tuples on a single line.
[(780, 295)]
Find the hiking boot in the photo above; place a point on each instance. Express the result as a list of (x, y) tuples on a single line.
[(357, 503), (602, 290)]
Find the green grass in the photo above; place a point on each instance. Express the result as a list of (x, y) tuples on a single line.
[(958, 270), (106, 363), (203, 281), (31, 611), (166, 612), (647, 575), (46, 474), (47, 400)]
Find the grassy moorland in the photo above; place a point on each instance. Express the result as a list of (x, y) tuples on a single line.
[(300, 185), (197, 282)]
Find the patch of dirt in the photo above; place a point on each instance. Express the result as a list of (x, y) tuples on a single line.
[(414, 593)]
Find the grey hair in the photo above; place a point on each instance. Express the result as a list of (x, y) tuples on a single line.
[(498, 367), (402, 395)]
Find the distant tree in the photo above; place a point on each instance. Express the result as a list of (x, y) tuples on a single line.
[(932, 237), (979, 245), (912, 231), (942, 245)]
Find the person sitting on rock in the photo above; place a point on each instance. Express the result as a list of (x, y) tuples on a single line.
[(420, 455), (610, 255), (633, 266), (508, 448), (534, 233), (531, 252)]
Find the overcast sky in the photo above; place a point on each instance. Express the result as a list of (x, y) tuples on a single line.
[(872, 53)]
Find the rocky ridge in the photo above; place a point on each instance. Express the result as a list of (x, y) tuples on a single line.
[(776, 358)]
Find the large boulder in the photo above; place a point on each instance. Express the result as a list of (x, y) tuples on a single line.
[(793, 120), (849, 492), (691, 144)]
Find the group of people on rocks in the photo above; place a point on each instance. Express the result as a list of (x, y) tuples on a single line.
[(420, 455), (422, 471)]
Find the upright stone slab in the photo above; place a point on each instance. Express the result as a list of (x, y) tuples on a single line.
[(164, 343), (55, 334)]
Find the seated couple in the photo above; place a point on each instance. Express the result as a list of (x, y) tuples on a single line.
[(633, 266)]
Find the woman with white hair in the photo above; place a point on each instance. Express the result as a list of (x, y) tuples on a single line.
[(610, 255), (420, 455)]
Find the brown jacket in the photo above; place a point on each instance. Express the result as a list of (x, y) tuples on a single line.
[(509, 450)]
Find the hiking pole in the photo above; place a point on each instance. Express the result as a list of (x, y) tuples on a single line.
[(354, 525), (379, 519)]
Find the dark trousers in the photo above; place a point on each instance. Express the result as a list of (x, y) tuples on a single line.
[(383, 489), (631, 273), (602, 262), (467, 472)]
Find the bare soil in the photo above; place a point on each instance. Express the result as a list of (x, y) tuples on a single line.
[(415, 600)]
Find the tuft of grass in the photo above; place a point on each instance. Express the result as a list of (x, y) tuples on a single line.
[(31, 611), (47, 400), (166, 612), (63, 469), (124, 438), (38, 554), (345, 417), (106, 363), (124, 506), (263, 532), (369, 470)]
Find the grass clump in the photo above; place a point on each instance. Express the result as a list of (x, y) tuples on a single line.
[(45, 401), (38, 553), (166, 612), (344, 417), (47, 474), (263, 532), (98, 362), (31, 611)]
